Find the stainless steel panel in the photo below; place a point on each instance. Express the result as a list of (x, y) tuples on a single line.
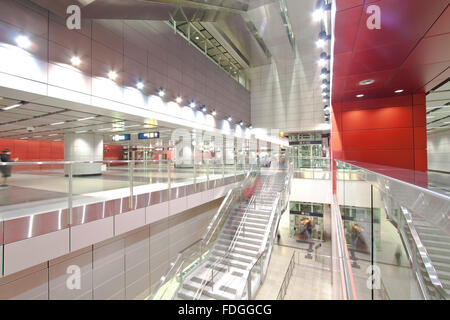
[(126, 204), (164, 195), (189, 189), (178, 192), (88, 213), (112, 207), (142, 200), (155, 197), (1, 233), (34, 225)]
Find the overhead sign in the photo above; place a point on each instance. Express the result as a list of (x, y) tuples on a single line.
[(296, 143), (121, 137), (149, 135)]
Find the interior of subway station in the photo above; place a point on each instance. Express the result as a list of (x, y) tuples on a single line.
[(238, 150)]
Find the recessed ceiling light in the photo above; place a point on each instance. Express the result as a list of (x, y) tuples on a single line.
[(83, 131), (57, 123), (23, 41), (317, 14), (178, 100), (140, 85), (37, 136), (161, 92), (366, 82), (359, 95), (112, 75), (13, 106), (84, 119), (399, 91), (53, 134), (214, 113), (76, 61)]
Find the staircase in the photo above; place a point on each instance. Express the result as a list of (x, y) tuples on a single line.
[(242, 238), (437, 245)]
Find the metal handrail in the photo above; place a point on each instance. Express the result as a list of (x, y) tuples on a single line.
[(230, 247), (417, 243), (287, 278)]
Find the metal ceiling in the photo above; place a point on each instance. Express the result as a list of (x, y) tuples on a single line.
[(438, 108), (41, 122)]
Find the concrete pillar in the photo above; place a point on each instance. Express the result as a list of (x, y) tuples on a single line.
[(84, 147)]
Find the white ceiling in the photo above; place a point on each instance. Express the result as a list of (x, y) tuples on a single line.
[(15, 123)]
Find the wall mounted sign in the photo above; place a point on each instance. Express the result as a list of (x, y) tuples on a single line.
[(149, 135), (121, 137)]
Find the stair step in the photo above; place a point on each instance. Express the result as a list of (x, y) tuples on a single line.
[(264, 217), (232, 255), (248, 234), (238, 244), (439, 258), (436, 244), (246, 225), (186, 294), (242, 239), (440, 266), (231, 262), (434, 237), (246, 252)]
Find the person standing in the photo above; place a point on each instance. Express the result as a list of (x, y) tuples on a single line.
[(5, 156)]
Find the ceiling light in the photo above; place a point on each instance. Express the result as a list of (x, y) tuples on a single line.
[(140, 85), (24, 138), (104, 129), (178, 100), (229, 118), (324, 73), (250, 126), (81, 131), (399, 91), (203, 108), (359, 95), (323, 37), (366, 82), (76, 61), (112, 75), (23, 41), (37, 136), (324, 94), (317, 15), (241, 123), (84, 119), (192, 104), (323, 86), (53, 134), (161, 92), (320, 43), (197, 38), (57, 123), (13, 106), (326, 98), (323, 60), (214, 112)]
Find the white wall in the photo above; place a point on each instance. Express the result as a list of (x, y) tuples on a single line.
[(124, 267), (438, 146), (134, 49), (284, 97)]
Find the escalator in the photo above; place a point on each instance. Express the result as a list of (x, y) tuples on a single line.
[(231, 259)]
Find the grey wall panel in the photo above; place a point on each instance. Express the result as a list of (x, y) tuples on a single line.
[(137, 264), (59, 274), (109, 271)]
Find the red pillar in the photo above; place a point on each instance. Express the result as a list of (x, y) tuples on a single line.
[(387, 135)]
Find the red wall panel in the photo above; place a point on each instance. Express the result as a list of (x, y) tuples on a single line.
[(395, 138), (382, 118), (392, 134), (31, 150)]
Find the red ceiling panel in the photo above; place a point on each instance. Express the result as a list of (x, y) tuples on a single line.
[(347, 23), (341, 64), (399, 55), (401, 22), (347, 4), (442, 25), (414, 79), (430, 50)]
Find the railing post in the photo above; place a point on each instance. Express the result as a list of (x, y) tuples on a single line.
[(195, 177), (131, 183), (249, 285), (169, 180), (70, 192)]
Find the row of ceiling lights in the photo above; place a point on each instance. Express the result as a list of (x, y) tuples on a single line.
[(319, 15), (24, 42)]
